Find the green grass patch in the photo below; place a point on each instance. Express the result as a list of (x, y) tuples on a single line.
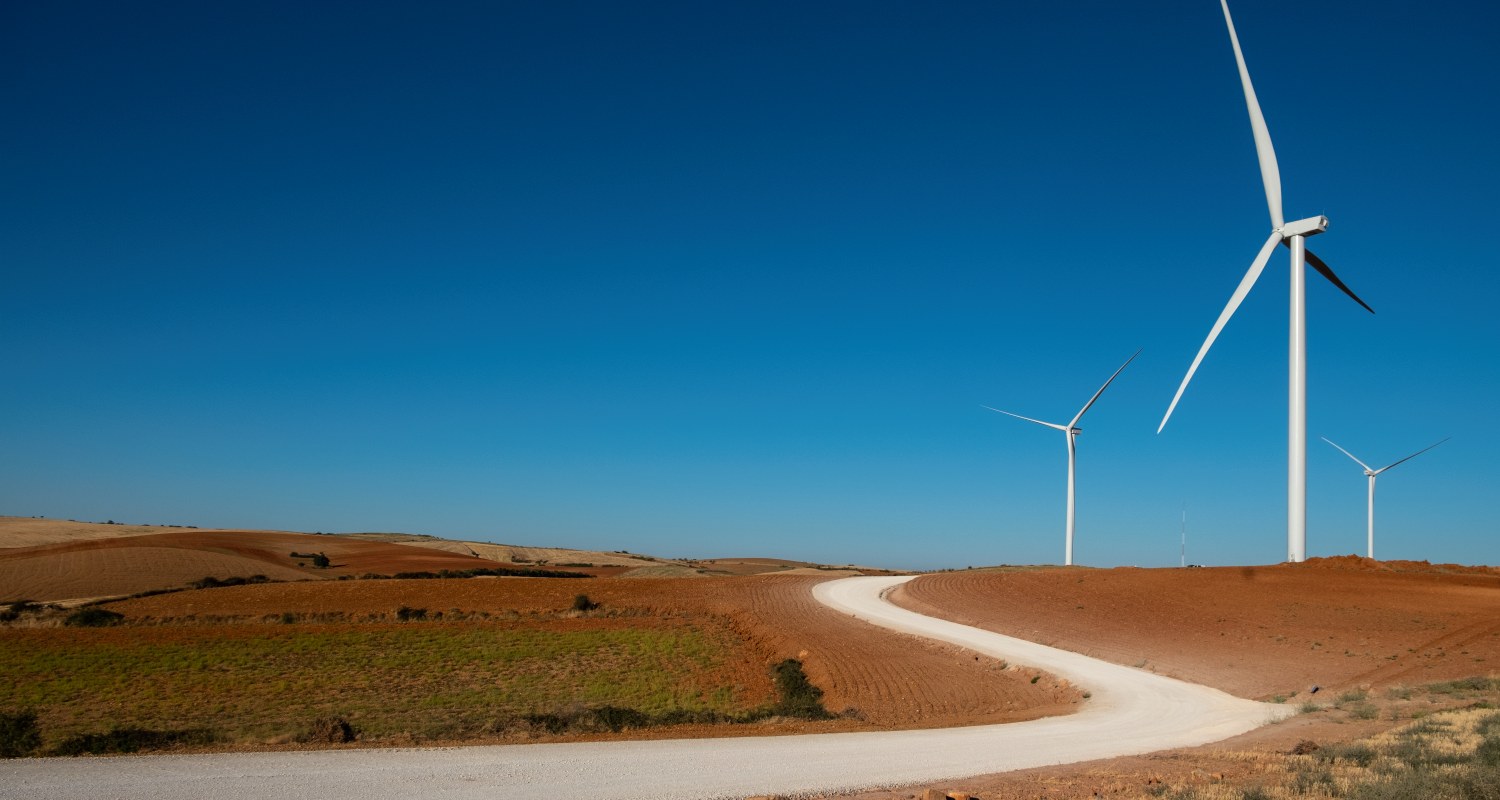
[(428, 681)]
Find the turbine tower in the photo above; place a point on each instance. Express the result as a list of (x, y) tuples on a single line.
[(1371, 474), (1071, 431), (1293, 235)]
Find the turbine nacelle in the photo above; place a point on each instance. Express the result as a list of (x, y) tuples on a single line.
[(1311, 226)]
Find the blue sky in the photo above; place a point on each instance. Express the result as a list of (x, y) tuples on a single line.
[(735, 278)]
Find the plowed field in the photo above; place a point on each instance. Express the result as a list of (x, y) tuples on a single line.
[(884, 679), (1257, 632), (126, 565)]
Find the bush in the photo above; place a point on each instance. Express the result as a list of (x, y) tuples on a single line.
[(617, 719), (333, 730), (409, 614), (93, 617), (129, 740), (583, 603), (19, 734), (799, 697), (210, 582)]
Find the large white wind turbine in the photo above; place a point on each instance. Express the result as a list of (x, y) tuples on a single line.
[(1371, 474), (1293, 235), (1071, 431)]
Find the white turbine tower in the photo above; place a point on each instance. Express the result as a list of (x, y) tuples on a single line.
[(1293, 235), (1371, 474), (1071, 431)]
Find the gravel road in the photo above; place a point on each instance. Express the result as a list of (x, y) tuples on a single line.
[(1130, 712)]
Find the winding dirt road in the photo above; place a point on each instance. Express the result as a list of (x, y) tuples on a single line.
[(1130, 712)]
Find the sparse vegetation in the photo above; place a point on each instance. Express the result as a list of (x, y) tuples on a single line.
[(1353, 696), (129, 740), (797, 698), (210, 582), (93, 617), (494, 572)]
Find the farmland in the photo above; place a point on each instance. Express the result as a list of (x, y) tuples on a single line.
[(416, 681), (685, 648)]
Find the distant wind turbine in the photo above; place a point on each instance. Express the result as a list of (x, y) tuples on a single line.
[(1371, 474), (1071, 431), (1293, 235)]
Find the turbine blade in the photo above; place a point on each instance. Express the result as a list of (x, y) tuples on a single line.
[(1256, 267), (1101, 390), (1270, 175), (1410, 457), (1028, 419), (1345, 452), (1323, 269)]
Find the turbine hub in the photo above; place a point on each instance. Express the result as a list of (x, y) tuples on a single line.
[(1311, 226)]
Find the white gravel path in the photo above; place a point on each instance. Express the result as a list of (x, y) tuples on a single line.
[(1130, 712)]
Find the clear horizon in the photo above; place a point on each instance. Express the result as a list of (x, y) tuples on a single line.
[(737, 280)]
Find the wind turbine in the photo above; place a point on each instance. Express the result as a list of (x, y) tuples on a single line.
[(1071, 431), (1372, 473), (1293, 235)]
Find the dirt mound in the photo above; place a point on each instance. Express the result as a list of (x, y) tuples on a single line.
[(126, 565), (1256, 632)]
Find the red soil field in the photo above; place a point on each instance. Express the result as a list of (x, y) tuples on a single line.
[(1255, 632)]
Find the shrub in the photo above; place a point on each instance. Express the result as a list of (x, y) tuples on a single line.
[(798, 696), (129, 740), (583, 603), (210, 582), (617, 719), (94, 617), (19, 734), (1356, 753), (333, 730), (409, 614), (321, 561)]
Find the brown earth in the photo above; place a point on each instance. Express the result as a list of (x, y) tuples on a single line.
[(1344, 624), (37, 531), (511, 554), (1257, 632), (1262, 632), (879, 679), (99, 567)]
